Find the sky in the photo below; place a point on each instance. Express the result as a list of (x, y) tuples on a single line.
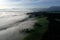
[(9, 4)]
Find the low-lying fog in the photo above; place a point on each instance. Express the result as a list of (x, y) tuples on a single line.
[(10, 25)]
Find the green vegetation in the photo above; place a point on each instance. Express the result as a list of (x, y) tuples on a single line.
[(40, 27)]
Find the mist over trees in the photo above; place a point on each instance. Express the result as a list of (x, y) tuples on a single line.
[(47, 26)]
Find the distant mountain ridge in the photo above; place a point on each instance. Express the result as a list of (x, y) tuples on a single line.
[(54, 8)]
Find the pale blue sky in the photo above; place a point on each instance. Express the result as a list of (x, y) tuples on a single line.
[(28, 3)]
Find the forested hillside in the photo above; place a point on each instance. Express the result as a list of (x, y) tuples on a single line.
[(47, 26)]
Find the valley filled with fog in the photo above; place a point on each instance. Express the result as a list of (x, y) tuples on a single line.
[(10, 25)]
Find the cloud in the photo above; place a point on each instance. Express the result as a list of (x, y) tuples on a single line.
[(26, 3), (29, 1)]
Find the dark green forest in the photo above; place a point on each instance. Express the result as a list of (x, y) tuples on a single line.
[(46, 28)]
